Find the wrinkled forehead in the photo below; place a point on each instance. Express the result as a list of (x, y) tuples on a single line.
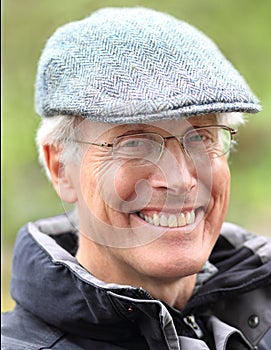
[(94, 130)]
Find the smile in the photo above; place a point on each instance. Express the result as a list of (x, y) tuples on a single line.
[(170, 220)]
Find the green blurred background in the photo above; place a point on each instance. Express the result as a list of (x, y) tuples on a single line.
[(242, 30)]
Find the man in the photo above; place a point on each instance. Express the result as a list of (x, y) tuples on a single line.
[(139, 112)]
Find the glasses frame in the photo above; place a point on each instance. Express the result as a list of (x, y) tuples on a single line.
[(164, 138)]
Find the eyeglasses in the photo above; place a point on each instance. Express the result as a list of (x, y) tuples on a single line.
[(213, 140)]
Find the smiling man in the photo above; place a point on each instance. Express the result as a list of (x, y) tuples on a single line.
[(139, 113)]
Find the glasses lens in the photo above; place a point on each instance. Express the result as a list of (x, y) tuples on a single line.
[(142, 148), (213, 140)]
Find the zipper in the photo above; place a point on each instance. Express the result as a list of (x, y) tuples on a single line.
[(191, 322)]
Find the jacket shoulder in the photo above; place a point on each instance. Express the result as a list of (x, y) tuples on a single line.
[(238, 236), (248, 312), (234, 238), (21, 330), (245, 259)]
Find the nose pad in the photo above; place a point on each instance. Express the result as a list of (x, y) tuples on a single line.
[(183, 149), (179, 142)]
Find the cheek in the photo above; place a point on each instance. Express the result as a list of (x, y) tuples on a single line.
[(91, 182), (108, 185), (132, 189), (125, 182), (220, 198), (221, 178)]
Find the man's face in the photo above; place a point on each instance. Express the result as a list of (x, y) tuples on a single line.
[(157, 219)]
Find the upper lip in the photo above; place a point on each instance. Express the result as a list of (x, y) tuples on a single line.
[(175, 210)]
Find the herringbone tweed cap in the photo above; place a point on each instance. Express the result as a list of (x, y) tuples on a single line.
[(130, 65)]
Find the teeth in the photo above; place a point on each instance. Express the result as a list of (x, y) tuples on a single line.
[(181, 220), (147, 218), (163, 220), (150, 221), (171, 220), (156, 220), (191, 218)]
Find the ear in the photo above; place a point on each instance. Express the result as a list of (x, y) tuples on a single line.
[(61, 174)]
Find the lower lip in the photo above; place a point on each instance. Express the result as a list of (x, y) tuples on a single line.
[(199, 214)]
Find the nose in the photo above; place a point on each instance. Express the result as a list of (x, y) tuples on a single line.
[(175, 171)]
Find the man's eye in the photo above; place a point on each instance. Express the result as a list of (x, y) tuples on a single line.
[(133, 143), (197, 138)]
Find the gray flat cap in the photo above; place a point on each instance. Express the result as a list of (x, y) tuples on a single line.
[(132, 65)]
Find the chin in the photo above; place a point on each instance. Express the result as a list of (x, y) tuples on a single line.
[(169, 260)]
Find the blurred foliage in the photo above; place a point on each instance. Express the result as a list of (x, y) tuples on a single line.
[(242, 30)]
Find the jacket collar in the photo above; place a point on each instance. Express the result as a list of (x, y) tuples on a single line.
[(48, 281)]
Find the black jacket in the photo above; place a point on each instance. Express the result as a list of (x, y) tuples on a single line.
[(62, 306)]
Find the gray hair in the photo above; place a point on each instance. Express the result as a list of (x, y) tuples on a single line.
[(59, 130)]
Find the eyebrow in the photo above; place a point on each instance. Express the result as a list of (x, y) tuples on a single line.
[(133, 128), (204, 117), (126, 129)]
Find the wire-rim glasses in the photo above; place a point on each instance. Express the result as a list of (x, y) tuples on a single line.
[(214, 140)]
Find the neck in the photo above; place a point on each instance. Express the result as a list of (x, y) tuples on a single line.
[(174, 291)]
